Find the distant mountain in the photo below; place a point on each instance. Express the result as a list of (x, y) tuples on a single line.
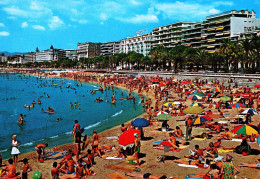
[(13, 53)]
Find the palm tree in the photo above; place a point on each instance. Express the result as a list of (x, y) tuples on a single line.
[(178, 56), (225, 49), (256, 48)]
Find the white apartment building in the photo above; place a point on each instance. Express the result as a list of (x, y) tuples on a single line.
[(88, 50), (169, 35), (139, 44), (30, 57), (46, 55), (71, 54), (110, 48), (209, 34)]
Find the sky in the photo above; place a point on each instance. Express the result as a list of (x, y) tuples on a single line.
[(27, 24)]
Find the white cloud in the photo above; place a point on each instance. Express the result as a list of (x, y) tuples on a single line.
[(3, 2), (15, 11), (186, 11), (223, 3), (24, 25), (101, 23), (55, 22), (83, 21), (103, 16), (143, 18), (214, 11), (134, 2), (38, 27), (1, 24), (4, 33)]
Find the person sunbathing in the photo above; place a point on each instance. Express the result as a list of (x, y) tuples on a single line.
[(215, 128), (217, 167), (68, 166), (178, 132), (146, 175), (244, 148), (198, 153), (227, 135), (190, 162), (9, 170), (211, 151), (80, 170), (250, 165)]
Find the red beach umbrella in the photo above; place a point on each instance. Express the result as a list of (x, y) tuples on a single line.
[(257, 85), (162, 84), (127, 139), (155, 80), (185, 82), (166, 143)]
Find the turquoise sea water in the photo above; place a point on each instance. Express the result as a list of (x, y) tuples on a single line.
[(17, 90)]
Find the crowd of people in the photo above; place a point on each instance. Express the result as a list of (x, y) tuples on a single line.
[(162, 91)]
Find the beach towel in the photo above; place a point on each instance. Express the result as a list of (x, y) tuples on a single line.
[(189, 166), (49, 154), (218, 159), (158, 142), (224, 151), (155, 131), (116, 175), (236, 140), (200, 139)]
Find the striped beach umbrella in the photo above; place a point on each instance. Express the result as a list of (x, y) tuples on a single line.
[(160, 112), (196, 104), (250, 111), (201, 120), (245, 129), (215, 90), (237, 105), (194, 97)]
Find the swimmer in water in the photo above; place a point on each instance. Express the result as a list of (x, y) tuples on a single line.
[(21, 119)]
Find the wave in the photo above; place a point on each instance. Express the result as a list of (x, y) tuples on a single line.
[(67, 133), (3, 150), (93, 86), (27, 144), (116, 114), (54, 136), (93, 125)]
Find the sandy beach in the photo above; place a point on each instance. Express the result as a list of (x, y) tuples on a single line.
[(148, 156)]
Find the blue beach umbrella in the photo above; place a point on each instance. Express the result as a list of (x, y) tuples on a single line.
[(250, 111), (140, 122)]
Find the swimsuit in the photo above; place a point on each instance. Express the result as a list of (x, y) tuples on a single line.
[(228, 170), (137, 149)]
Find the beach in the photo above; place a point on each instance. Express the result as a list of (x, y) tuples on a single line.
[(149, 163)]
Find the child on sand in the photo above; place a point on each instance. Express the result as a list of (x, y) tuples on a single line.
[(26, 168), (55, 170)]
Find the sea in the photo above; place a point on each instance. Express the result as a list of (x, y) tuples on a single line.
[(18, 91)]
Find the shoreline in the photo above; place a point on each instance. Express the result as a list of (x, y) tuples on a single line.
[(103, 132), (150, 165)]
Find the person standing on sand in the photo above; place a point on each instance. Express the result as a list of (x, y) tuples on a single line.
[(76, 127), (188, 128), (95, 142), (228, 168), (15, 151), (137, 148)]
